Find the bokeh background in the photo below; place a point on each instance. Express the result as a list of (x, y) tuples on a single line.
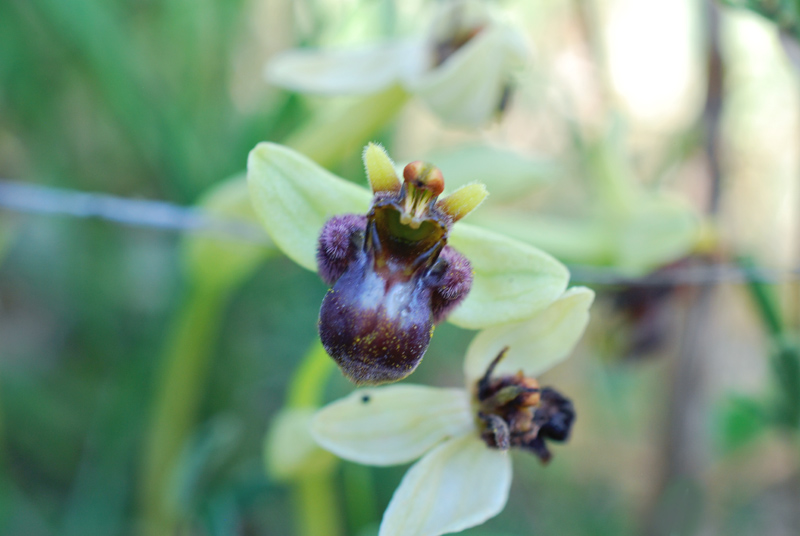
[(686, 393)]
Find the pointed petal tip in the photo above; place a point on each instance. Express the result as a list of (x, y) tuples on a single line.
[(579, 295), (380, 169), (459, 484), (536, 344), (464, 200)]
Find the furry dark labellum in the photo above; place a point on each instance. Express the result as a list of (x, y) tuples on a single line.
[(393, 277)]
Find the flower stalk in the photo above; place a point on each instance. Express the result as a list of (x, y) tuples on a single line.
[(314, 492), (187, 361)]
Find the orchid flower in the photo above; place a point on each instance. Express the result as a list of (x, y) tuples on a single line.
[(395, 260), (463, 436), (461, 69)]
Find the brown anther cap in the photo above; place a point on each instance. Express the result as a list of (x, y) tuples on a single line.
[(424, 176)]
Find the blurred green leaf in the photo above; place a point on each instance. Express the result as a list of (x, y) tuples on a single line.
[(786, 365), (740, 420), (221, 262), (506, 174), (205, 453), (568, 239), (7, 232)]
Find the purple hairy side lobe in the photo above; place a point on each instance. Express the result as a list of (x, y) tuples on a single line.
[(340, 241)]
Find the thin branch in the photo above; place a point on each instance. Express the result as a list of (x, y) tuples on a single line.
[(35, 199)]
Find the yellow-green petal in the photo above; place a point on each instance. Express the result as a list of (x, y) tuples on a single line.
[(512, 280), (380, 169), (294, 197), (459, 484), (535, 345), (463, 201), (392, 425)]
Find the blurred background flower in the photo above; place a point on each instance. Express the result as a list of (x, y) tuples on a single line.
[(622, 106)]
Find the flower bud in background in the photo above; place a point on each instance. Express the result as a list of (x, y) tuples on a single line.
[(461, 68)]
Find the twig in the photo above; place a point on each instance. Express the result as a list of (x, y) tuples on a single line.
[(36, 199)]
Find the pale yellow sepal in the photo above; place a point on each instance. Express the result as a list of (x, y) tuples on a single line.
[(359, 70), (392, 425), (217, 261), (457, 485), (380, 169), (534, 345), (289, 450), (468, 87), (294, 197), (463, 201), (512, 280)]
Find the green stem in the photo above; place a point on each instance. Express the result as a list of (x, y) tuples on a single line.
[(314, 496), (359, 493), (340, 130), (308, 381), (316, 509), (185, 369)]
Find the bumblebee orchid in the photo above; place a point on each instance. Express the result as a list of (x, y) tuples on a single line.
[(396, 262)]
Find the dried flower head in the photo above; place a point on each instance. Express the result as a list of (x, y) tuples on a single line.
[(513, 412)]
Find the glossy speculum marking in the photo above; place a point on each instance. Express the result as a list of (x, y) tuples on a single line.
[(392, 274)]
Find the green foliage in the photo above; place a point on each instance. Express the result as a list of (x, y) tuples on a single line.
[(784, 13), (740, 420)]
